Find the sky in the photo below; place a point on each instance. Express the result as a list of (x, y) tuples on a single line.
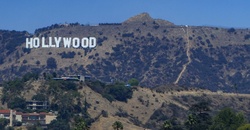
[(28, 15)]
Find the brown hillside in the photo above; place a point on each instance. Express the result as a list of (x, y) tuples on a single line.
[(154, 51), (141, 111)]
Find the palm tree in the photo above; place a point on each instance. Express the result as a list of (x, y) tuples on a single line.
[(117, 125), (191, 122), (81, 125), (167, 125)]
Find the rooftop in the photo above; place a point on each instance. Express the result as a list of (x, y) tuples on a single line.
[(5, 111)]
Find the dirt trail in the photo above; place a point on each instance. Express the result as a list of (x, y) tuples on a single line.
[(200, 93), (105, 123), (189, 58), (176, 103), (1, 91)]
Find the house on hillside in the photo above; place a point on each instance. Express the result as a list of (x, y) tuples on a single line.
[(127, 85), (8, 114), (33, 118), (74, 78), (28, 118), (42, 118), (37, 105)]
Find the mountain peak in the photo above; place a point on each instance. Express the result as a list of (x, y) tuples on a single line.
[(143, 17)]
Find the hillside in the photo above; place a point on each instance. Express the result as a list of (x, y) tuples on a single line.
[(147, 108), (154, 51), (151, 108)]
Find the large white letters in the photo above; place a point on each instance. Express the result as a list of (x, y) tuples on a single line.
[(92, 42), (29, 42), (36, 42), (67, 42), (57, 41), (51, 42), (43, 43), (85, 42), (76, 42)]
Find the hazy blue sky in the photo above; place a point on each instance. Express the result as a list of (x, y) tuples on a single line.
[(31, 14)]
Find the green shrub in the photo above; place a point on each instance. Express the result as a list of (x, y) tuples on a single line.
[(51, 63), (17, 102), (120, 92), (109, 97), (247, 36), (133, 82), (231, 30), (244, 127)]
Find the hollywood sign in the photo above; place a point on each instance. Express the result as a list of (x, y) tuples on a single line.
[(56, 42)]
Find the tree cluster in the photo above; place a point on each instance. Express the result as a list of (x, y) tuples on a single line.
[(68, 54), (63, 96), (200, 118), (12, 91), (117, 91)]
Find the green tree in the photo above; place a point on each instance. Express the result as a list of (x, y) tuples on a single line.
[(17, 102), (29, 76), (3, 123), (199, 117), (35, 127), (227, 119), (167, 125), (191, 122), (244, 127), (38, 62), (11, 90), (68, 85), (54, 74), (17, 123), (51, 63), (58, 125), (171, 124), (9, 128), (120, 92), (45, 75), (81, 124), (235, 87), (64, 104), (39, 97), (117, 125), (133, 82), (200, 107)]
